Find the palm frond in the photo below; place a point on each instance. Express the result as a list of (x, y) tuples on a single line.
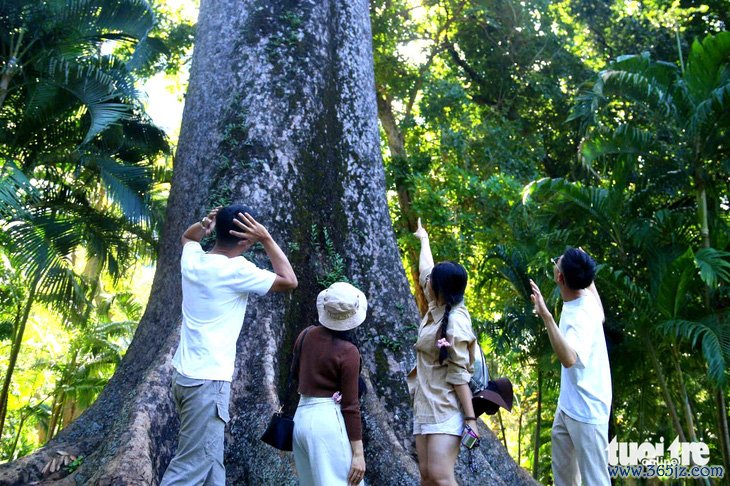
[(44, 98), (704, 64), (663, 73), (600, 203), (129, 306), (63, 290), (642, 310), (146, 53), (625, 139), (106, 331), (104, 115), (513, 268), (586, 107), (16, 191), (127, 186), (132, 17), (36, 252), (714, 266), (638, 79), (715, 106), (713, 334), (673, 288), (99, 86), (139, 140), (635, 78)]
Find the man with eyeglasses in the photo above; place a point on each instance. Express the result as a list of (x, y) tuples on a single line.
[(580, 428)]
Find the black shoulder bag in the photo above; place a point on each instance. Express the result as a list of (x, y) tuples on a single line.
[(280, 432)]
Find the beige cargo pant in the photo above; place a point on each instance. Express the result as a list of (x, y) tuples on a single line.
[(202, 406), (580, 452)]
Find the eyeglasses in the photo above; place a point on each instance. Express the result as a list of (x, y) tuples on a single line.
[(555, 260)]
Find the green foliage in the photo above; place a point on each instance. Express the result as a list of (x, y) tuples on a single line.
[(220, 196), (331, 265), (712, 335), (714, 266), (678, 117), (94, 352), (53, 42), (74, 465), (474, 98), (290, 35), (167, 46), (390, 343), (78, 177), (14, 188), (672, 107)]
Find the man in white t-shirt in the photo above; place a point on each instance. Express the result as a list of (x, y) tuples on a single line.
[(580, 428), (215, 287)]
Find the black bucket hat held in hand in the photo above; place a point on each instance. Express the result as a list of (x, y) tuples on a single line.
[(498, 393)]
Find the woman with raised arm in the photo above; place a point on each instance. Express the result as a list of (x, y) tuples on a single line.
[(439, 384)]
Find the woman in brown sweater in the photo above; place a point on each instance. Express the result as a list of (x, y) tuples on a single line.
[(327, 428)]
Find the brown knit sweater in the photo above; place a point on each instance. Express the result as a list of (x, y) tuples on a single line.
[(328, 365)]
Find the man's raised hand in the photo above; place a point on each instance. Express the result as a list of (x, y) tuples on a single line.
[(251, 230), (208, 222), (537, 299)]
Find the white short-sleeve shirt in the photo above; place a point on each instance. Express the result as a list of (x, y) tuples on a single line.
[(215, 293), (585, 387)]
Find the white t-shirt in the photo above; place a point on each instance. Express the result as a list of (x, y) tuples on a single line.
[(585, 387), (215, 293)]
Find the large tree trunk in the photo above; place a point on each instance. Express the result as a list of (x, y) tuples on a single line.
[(281, 116)]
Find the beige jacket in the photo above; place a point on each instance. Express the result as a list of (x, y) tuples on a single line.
[(431, 383)]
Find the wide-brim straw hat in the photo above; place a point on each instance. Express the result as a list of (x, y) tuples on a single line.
[(341, 307)]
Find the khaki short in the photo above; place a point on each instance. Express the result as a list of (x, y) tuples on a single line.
[(452, 426)]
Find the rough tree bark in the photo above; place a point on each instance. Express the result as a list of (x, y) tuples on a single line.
[(280, 115)]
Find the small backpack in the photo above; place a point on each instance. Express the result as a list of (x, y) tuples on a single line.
[(480, 378)]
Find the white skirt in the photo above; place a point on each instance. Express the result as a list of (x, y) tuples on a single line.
[(322, 451)]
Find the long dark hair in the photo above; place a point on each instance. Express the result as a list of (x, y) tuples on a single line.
[(448, 281), (350, 337)]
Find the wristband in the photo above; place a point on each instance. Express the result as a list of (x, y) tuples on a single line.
[(470, 418)]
